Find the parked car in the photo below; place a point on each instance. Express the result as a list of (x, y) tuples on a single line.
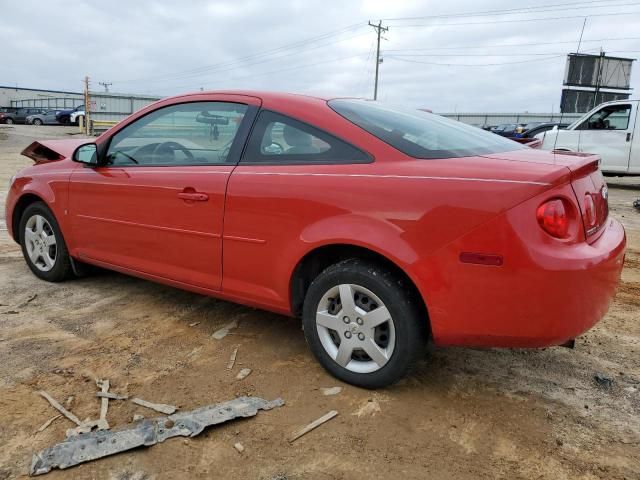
[(7, 115), (20, 115), (611, 130), (540, 128), (64, 116), (44, 118), (75, 117), (380, 227), (505, 129), (525, 126)]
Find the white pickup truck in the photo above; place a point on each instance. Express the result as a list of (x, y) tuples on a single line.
[(609, 130)]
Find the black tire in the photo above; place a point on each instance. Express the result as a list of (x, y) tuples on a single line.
[(61, 269), (409, 322), (8, 121), (37, 121)]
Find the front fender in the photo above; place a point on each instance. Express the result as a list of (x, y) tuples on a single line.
[(32, 185)]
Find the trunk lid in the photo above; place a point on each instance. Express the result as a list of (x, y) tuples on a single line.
[(43, 151), (586, 180)]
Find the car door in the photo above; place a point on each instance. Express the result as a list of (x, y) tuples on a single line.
[(271, 195), (156, 205), (607, 132)]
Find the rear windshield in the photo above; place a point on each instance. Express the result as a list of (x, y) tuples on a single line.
[(421, 134)]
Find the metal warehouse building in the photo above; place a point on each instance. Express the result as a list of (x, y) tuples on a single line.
[(104, 106)]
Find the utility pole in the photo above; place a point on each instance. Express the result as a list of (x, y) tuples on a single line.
[(379, 29), (598, 78), (105, 85), (87, 106)]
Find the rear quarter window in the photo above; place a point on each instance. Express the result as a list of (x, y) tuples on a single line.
[(421, 134)]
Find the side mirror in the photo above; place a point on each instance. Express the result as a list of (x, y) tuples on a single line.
[(87, 154)]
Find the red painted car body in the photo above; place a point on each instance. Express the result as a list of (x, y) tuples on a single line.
[(425, 216)]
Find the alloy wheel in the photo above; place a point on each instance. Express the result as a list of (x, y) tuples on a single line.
[(40, 242), (355, 328)]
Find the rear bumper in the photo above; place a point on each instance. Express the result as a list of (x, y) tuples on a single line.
[(543, 295)]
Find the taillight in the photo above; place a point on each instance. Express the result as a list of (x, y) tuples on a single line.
[(553, 218), (589, 212)]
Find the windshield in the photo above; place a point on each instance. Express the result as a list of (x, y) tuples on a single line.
[(421, 134)]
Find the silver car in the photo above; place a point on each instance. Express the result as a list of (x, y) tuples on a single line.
[(43, 118)]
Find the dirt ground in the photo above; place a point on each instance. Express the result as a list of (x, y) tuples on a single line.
[(464, 413)]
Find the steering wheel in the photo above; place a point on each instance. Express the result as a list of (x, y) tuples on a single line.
[(169, 148)]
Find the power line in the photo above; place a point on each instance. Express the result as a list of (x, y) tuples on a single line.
[(486, 22), (476, 64), (516, 11), (460, 47), (261, 54)]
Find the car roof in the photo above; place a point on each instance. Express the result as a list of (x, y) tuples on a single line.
[(266, 96)]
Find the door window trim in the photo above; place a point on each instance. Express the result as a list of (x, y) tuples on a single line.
[(235, 152), (282, 160)]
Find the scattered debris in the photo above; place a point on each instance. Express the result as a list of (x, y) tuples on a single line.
[(67, 372), (158, 407), (331, 391), (69, 402), (47, 423), (224, 331), (94, 445), (111, 396), (636, 204), (244, 373), (194, 324), (603, 380), (104, 405), (54, 403), (27, 301), (371, 407), (239, 447), (232, 359), (312, 425), (137, 417)]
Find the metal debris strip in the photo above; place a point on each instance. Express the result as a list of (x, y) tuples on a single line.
[(158, 407), (99, 444), (244, 373)]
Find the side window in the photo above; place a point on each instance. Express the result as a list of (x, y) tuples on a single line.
[(280, 139), (185, 134), (614, 117)]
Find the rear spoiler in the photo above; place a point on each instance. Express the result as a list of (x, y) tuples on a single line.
[(585, 164)]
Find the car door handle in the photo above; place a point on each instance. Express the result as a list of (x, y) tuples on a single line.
[(628, 136), (193, 196)]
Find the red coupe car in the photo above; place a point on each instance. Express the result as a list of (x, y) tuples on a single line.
[(381, 227)]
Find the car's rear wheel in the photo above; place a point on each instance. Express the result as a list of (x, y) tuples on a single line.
[(8, 121), (43, 246), (37, 121), (363, 324)]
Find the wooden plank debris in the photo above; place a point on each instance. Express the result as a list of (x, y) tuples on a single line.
[(315, 424)]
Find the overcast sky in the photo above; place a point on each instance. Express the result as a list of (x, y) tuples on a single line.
[(438, 61)]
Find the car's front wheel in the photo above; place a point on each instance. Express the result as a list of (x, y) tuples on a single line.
[(363, 324), (43, 246), (37, 121), (8, 121)]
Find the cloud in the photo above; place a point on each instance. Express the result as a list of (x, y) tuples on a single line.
[(315, 46)]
